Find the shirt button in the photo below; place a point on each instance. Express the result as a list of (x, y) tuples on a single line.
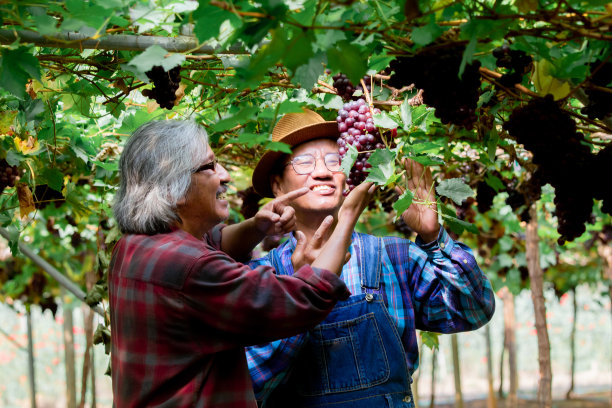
[(442, 245), (369, 297), (408, 398), (465, 261)]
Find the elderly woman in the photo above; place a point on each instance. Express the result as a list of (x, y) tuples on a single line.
[(182, 309)]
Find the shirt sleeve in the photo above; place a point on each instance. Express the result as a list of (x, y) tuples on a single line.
[(268, 363), (443, 282), (240, 306)]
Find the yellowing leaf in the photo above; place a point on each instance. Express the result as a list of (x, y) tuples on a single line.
[(151, 105), (26, 202), (525, 6), (547, 84), (26, 146), (6, 121)]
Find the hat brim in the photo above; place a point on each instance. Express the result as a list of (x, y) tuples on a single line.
[(261, 174)]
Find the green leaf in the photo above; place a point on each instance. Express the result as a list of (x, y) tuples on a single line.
[(348, 59), (16, 68), (250, 139), (54, 178), (152, 56), (382, 172), (14, 158), (209, 20), (382, 120), (403, 202), (430, 339), (422, 36), (455, 189), (279, 147), (307, 74), (494, 182), (349, 160), (406, 114), (298, 51), (455, 224), (242, 116), (427, 160)]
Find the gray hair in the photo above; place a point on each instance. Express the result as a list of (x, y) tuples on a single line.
[(155, 172)]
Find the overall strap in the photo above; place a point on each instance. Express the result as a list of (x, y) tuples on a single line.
[(370, 261)]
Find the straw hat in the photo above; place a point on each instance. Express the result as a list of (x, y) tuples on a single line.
[(293, 129)]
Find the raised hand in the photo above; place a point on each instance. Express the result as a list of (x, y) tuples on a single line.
[(306, 251), (421, 216), (277, 217)]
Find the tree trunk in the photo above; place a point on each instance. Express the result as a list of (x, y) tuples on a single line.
[(491, 401), (502, 364), (433, 378), (93, 379), (69, 357), (31, 371), (510, 345), (457, 371), (539, 305), (605, 251), (88, 315), (570, 392)]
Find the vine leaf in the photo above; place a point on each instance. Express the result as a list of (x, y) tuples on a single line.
[(430, 339), (348, 160), (26, 202), (16, 68), (403, 202), (455, 189), (348, 59), (382, 172), (546, 84)]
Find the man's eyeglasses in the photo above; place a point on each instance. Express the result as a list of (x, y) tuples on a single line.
[(306, 163), (212, 165)]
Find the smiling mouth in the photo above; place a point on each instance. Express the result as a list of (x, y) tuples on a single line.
[(221, 194), (322, 189)]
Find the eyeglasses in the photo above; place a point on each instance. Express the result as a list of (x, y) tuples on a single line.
[(212, 165), (306, 163)]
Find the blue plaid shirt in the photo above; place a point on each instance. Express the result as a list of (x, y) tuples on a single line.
[(436, 286)]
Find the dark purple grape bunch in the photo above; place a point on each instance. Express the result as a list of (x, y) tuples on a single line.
[(165, 85), (516, 62), (346, 89), (436, 72), (8, 175), (563, 159), (600, 101), (357, 129)]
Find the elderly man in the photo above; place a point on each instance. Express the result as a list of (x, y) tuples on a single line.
[(182, 309), (364, 353)]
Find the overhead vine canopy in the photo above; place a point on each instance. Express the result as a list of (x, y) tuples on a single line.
[(463, 84)]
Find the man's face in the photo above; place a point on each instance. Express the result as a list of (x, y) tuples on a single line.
[(325, 186), (204, 204)]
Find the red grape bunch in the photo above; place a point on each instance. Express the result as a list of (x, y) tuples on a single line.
[(436, 72), (8, 175), (165, 85), (345, 88), (357, 129)]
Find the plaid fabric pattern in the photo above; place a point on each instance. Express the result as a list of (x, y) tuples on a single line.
[(182, 312), (435, 286)]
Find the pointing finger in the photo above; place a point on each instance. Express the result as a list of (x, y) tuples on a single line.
[(292, 195)]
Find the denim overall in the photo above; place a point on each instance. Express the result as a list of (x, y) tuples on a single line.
[(355, 357)]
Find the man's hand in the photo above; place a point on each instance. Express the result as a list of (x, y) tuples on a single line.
[(355, 202), (306, 251), (420, 217), (277, 217)]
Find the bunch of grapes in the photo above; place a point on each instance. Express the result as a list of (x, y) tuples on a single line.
[(517, 62), (8, 175), (484, 196), (526, 193), (436, 72), (563, 160), (357, 129), (345, 88), (600, 102), (602, 165), (165, 85)]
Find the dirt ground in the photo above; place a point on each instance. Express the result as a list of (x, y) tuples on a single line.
[(590, 401)]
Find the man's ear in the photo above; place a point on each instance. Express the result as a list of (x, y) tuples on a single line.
[(181, 201), (275, 184)]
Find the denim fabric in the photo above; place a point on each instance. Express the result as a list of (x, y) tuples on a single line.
[(355, 357)]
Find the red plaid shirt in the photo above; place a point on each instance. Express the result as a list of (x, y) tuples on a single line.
[(182, 312)]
